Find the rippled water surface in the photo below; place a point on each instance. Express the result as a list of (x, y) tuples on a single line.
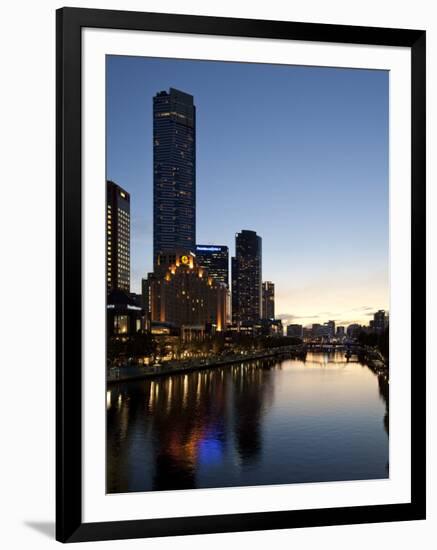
[(260, 423)]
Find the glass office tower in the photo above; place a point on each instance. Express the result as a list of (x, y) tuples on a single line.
[(174, 172), (247, 278), (215, 259)]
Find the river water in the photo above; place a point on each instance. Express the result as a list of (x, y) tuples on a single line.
[(259, 423)]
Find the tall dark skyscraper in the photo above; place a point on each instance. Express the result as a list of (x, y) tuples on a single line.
[(174, 172), (117, 238), (215, 259), (247, 278), (268, 310)]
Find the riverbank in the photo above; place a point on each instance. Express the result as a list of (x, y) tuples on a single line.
[(374, 360), (371, 357), (124, 374)]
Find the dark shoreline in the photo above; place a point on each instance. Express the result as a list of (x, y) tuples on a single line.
[(374, 362), (142, 373)]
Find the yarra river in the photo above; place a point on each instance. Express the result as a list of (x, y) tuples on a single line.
[(254, 423)]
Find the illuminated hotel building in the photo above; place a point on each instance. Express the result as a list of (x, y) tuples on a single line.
[(117, 238), (215, 259), (247, 278), (181, 293), (174, 172), (268, 307)]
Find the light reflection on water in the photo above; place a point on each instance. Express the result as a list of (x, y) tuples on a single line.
[(257, 423)]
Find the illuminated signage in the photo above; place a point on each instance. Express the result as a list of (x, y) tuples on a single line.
[(184, 259), (209, 248)]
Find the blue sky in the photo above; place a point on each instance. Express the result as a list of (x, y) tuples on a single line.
[(298, 154)]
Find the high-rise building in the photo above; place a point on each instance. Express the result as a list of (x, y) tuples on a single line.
[(379, 321), (268, 297), (340, 333), (174, 172), (247, 277), (117, 238), (215, 259)]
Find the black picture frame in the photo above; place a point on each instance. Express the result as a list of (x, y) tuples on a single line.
[(69, 525)]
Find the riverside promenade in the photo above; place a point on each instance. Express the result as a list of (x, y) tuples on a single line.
[(122, 374), (367, 355)]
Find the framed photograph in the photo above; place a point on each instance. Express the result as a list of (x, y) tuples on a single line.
[(240, 274)]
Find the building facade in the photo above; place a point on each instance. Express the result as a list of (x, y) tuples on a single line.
[(182, 294), (379, 321), (268, 296), (247, 278), (354, 330), (215, 259), (174, 172), (117, 238), (295, 331), (124, 316), (316, 330), (329, 329)]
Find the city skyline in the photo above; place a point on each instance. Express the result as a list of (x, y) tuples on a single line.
[(301, 255)]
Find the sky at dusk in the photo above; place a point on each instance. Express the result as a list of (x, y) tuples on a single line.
[(297, 154)]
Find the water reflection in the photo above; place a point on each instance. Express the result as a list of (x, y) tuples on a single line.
[(247, 424), (252, 389)]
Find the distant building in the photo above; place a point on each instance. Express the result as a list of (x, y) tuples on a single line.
[(262, 327), (353, 330), (340, 333), (174, 172), (295, 330), (182, 294), (247, 278), (316, 330), (379, 321), (268, 299), (330, 329), (117, 238), (215, 259)]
